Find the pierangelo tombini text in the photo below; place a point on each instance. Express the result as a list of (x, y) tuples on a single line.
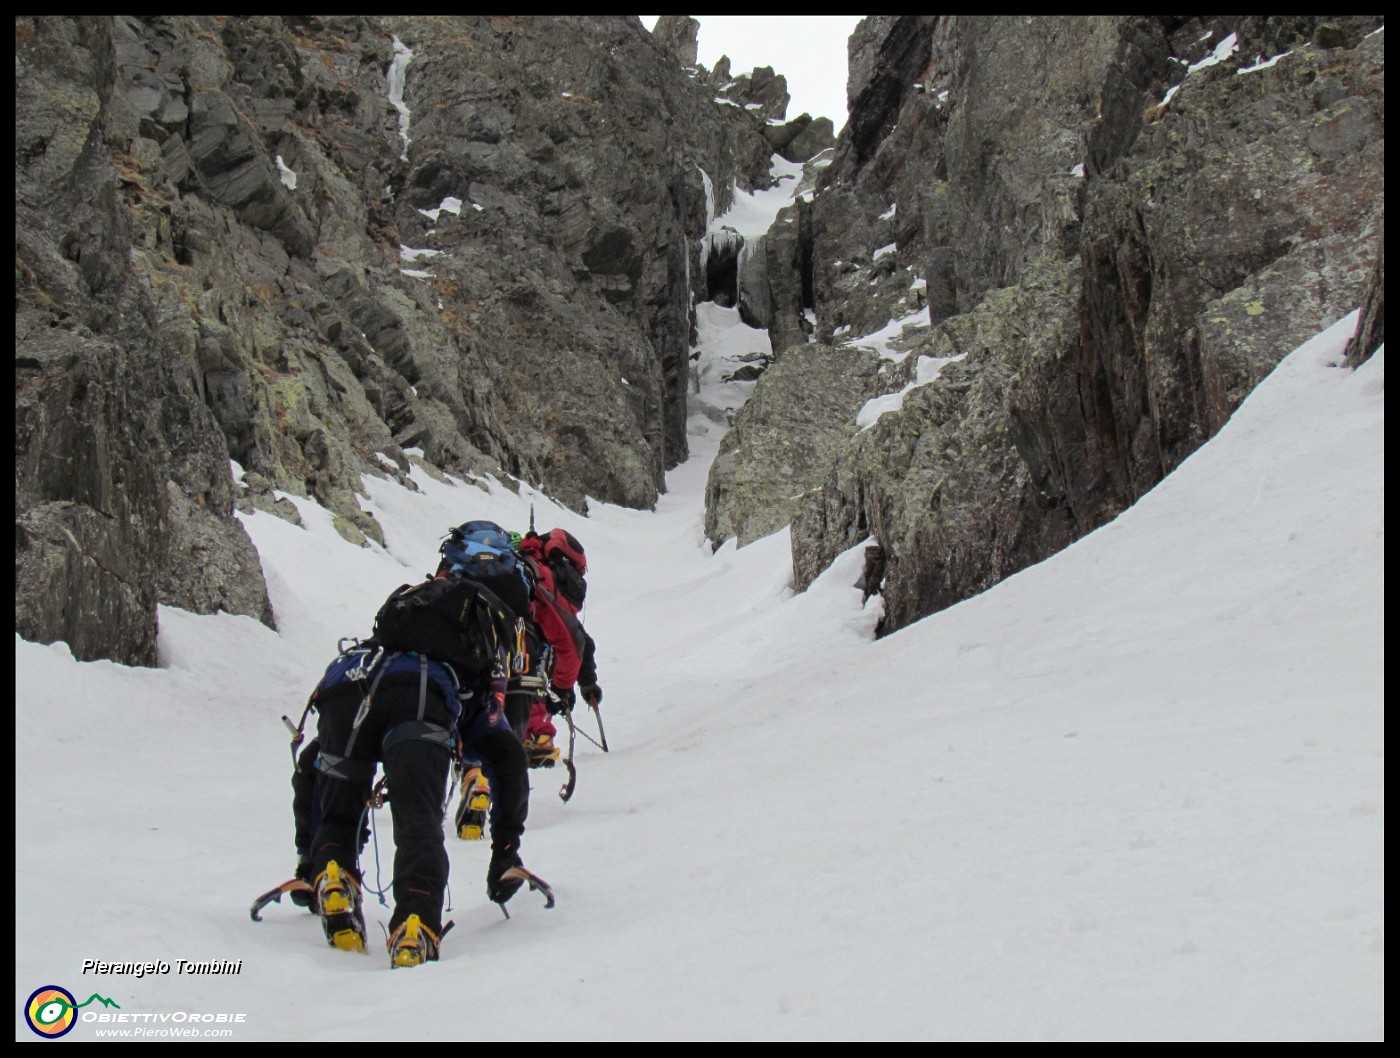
[(163, 966)]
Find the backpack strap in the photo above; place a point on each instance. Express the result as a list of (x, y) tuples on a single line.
[(422, 686), (417, 731), (337, 767), (369, 701)]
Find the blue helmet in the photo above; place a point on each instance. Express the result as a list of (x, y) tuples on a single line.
[(478, 549)]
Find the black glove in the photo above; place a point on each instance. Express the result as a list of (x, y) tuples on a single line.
[(565, 702), (592, 694), (503, 859)]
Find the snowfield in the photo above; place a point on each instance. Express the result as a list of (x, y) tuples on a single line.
[(1135, 792)]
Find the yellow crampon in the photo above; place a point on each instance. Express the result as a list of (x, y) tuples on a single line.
[(541, 751), (412, 944), (338, 901), (476, 804)]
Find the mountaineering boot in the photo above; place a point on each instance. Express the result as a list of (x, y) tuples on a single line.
[(338, 898), (541, 751), (475, 806), (413, 944), (304, 897)]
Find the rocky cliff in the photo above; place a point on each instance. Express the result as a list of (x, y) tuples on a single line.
[(272, 253), (1104, 230), (315, 245)]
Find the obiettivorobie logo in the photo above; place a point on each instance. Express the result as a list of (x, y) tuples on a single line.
[(52, 1011)]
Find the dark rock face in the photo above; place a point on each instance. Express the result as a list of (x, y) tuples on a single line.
[(680, 35), (761, 91), (1370, 330), (315, 245), (1243, 220), (801, 139), (770, 282), (1119, 268), (122, 485), (231, 243), (89, 510)]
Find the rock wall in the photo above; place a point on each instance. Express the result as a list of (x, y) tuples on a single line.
[(784, 437), (317, 245), (263, 239), (1120, 224)]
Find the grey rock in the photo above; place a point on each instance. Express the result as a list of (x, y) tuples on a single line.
[(90, 508), (222, 313), (802, 408), (863, 53), (1370, 328), (818, 135), (761, 92), (1119, 272), (679, 35), (802, 138), (211, 565), (775, 282)]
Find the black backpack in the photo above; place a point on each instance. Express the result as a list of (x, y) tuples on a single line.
[(449, 619)]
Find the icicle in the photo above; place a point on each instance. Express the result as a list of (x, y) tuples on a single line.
[(689, 290), (709, 219), (727, 242), (709, 198), (398, 72), (746, 251)]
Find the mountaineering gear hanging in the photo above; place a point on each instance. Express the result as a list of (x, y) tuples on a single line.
[(559, 701), (338, 897), (567, 790), (531, 669)]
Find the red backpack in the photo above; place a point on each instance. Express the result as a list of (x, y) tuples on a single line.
[(552, 609), (568, 563)]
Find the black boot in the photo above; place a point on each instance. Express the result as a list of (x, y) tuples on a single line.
[(305, 873)]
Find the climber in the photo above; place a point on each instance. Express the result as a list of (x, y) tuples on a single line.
[(557, 566), (428, 687)]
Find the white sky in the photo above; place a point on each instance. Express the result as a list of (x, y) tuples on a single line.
[(809, 50), (1135, 792)]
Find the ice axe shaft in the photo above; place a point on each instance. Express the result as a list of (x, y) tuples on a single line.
[(603, 745)]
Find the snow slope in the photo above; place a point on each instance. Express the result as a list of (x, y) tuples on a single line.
[(1135, 792)]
